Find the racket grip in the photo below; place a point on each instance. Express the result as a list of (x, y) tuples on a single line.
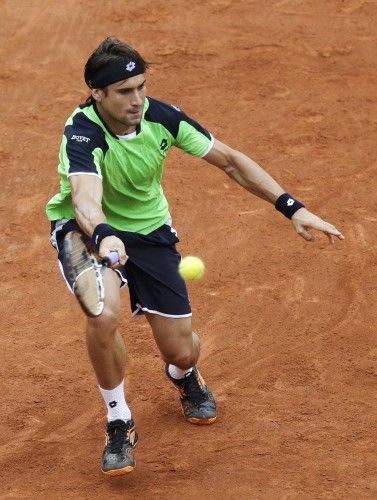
[(111, 258)]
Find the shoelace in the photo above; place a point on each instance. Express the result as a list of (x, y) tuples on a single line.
[(116, 433), (194, 391)]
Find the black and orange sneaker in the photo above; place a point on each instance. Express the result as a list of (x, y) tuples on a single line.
[(197, 401), (118, 455)]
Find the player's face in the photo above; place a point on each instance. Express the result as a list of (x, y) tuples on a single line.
[(121, 104)]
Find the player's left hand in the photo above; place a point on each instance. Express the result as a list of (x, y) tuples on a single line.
[(303, 221)]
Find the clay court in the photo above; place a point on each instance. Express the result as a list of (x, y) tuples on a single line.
[(287, 327)]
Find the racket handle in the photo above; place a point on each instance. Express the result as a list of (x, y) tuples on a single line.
[(111, 258)]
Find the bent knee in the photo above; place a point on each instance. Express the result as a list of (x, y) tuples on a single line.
[(105, 323), (183, 360)]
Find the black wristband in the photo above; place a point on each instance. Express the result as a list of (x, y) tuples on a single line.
[(100, 232), (287, 205)]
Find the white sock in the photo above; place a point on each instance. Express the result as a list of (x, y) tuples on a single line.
[(178, 373), (117, 408)]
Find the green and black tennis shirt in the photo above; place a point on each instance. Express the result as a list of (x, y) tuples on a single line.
[(130, 166)]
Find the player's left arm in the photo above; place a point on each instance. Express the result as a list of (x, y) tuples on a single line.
[(255, 179)]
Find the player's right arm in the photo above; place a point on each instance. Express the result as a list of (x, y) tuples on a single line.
[(86, 191), (84, 147)]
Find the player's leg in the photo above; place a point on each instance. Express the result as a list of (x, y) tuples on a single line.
[(107, 354), (178, 344), (105, 344), (180, 347), (158, 291)]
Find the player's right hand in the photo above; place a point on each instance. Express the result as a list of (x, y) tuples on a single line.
[(113, 244)]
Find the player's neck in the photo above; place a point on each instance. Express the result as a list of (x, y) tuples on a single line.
[(117, 128)]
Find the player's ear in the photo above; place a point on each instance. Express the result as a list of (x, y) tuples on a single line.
[(97, 94)]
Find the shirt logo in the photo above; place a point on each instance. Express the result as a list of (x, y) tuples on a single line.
[(130, 66), (164, 145), (80, 138)]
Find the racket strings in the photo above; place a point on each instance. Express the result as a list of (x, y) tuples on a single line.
[(80, 259), (87, 275)]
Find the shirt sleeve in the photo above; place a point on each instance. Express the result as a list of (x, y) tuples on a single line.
[(85, 147), (192, 137)]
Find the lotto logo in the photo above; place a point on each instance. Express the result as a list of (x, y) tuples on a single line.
[(290, 202), (164, 145), (80, 138), (130, 66)]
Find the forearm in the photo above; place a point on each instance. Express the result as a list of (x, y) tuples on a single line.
[(87, 201), (252, 177), (88, 215)]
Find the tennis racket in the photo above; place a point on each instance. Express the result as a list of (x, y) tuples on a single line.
[(86, 272)]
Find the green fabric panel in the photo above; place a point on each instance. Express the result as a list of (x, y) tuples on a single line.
[(131, 171)]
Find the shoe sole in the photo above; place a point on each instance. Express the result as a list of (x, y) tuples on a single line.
[(124, 470), (118, 472), (201, 421)]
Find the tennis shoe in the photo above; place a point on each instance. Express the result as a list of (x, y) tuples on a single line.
[(197, 402), (118, 455)]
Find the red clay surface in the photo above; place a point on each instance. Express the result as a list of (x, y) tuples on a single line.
[(288, 327)]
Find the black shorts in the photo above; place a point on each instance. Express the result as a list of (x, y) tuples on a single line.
[(151, 270)]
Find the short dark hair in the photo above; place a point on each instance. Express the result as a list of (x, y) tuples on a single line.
[(111, 49)]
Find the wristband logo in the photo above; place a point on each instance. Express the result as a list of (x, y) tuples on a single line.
[(290, 202)]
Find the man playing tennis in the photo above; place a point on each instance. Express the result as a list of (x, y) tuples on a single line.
[(111, 203)]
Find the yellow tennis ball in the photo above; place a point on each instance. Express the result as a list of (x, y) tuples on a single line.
[(191, 268)]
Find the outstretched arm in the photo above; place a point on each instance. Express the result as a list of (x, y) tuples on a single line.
[(252, 177), (87, 202)]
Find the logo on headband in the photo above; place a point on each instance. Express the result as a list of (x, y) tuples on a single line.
[(130, 66)]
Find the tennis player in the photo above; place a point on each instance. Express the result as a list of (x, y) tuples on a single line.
[(110, 166)]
